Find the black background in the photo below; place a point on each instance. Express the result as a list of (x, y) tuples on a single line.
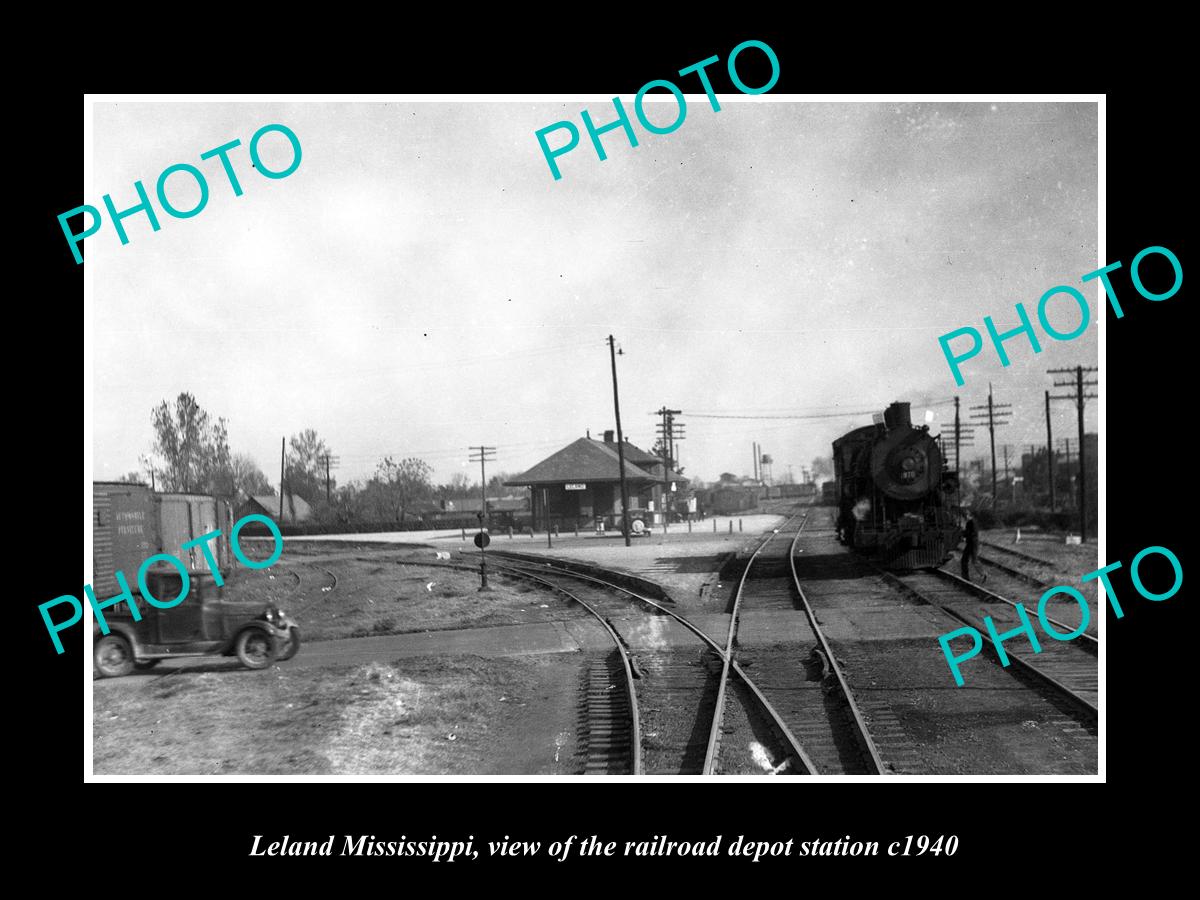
[(1003, 827)]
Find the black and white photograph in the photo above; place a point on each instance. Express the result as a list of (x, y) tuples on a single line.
[(533, 437)]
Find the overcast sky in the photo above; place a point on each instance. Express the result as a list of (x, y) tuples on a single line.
[(421, 283)]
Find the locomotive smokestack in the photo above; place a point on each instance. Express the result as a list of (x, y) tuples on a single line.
[(898, 415)]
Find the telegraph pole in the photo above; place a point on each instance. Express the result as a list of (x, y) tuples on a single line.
[(1079, 397), (329, 461), (282, 452), (612, 352), (483, 455), (1049, 453), (957, 448), (996, 414), (667, 436)]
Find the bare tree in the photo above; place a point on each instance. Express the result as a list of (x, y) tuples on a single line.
[(248, 478), (403, 482), (306, 465), (195, 449)]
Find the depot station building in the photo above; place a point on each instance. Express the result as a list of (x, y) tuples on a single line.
[(580, 486)]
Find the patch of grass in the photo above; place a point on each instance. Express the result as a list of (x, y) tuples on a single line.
[(374, 599)]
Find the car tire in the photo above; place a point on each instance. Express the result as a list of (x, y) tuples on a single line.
[(292, 647), (255, 648), (146, 665), (113, 656)]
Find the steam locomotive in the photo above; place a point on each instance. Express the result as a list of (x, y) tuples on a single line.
[(893, 492)]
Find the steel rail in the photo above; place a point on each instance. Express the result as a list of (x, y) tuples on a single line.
[(1090, 642), (1030, 580), (636, 731), (1075, 699), (714, 735), (863, 733), (1017, 553), (793, 745)]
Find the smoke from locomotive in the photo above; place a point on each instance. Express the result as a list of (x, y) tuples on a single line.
[(893, 492)]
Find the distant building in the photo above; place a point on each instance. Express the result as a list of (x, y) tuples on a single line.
[(295, 509), (582, 482), (494, 504)]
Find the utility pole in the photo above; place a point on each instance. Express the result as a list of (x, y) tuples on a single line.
[(282, 452), (1079, 397), (666, 432), (957, 448), (329, 461), (1049, 453), (996, 415), (612, 352), (754, 460), (483, 455)]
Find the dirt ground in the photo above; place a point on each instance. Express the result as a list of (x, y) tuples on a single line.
[(431, 716), (339, 592), (1064, 564), (685, 564)]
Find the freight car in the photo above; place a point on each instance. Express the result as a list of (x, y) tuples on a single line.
[(728, 501), (130, 524), (797, 490), (893, 493)]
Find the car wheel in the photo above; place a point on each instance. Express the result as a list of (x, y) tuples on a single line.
[(146, 664), (292, 647), (113, 656), (255, 649)]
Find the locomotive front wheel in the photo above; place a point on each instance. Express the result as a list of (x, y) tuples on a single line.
[(113, 656), (254, 649)]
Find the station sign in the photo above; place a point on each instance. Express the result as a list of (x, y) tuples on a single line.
[(575, 487)]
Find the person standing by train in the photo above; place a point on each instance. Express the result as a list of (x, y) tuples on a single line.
[(970, 552)]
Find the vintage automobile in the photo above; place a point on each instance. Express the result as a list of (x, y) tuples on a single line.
[(130, 523), (206, 623)]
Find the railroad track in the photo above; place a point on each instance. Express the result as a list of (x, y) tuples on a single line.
[(799, 676), (1017, 554), (1005, 582), (678, 685), (1065, 671), (994, 566), (798, 687), (610, 730)]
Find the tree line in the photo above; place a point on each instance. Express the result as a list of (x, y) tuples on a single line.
[(191, 454)]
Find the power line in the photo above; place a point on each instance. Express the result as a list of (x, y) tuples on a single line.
[(330, 461), (997, 414), (1079, 397)]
